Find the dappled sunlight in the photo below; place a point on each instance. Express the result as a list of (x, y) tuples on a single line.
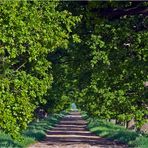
[(71, 131)]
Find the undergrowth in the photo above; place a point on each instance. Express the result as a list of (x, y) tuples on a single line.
[(36, 131), (116, 132)]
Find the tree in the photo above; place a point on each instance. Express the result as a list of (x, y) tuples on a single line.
[(111, 59), (29, 31)]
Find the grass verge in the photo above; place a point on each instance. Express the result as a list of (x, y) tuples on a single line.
[(36, 131), (116, 132)]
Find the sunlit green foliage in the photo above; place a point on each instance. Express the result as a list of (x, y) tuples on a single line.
[(29, 31), (54, 53)]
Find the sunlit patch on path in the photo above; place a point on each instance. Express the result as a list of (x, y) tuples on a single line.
[(71, 132)]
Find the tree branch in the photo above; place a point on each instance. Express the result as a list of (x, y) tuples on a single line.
[(20, 66), (117, 13)]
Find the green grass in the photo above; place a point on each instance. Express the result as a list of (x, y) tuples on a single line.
[(36, 131), (116, 132)]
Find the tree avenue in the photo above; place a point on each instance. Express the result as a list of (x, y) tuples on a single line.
[(55, 53)]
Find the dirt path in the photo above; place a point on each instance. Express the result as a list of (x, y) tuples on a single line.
[(71, 132)]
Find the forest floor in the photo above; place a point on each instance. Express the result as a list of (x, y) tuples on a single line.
[(71, 132)]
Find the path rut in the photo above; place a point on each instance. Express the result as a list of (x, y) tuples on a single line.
[(71, 132)]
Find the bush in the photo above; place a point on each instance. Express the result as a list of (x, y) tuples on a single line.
[(36, 131)]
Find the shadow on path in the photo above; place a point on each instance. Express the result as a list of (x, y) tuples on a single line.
[(71, 132)]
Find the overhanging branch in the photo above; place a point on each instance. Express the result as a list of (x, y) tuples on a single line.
[(117, 13)]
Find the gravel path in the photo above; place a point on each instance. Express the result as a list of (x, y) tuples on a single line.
[(71, 132)]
